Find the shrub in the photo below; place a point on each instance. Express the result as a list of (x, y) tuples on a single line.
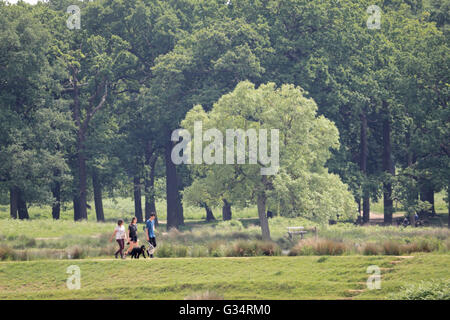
[(319, 247), (253, 248), (330, 247), (391, 248), (215, 249), (23, 242), (164, 251), (7, 253), (198, 251), (267, 248), (230, 225), (180, 251), (372, 249), (76, 252), (430, 290)]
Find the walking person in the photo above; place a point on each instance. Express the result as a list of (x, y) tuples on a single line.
[(132, 235), (121, 235), (150, 232)]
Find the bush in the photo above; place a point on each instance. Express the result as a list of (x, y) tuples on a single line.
[(7, 253), (76, 252), (180, 251), (267, 248), (330, 247), (372, 249), (430, 290), (198, 252), (230, 225), (391, 248), (253, 248), (319, 247), (164, 251), (215, 249)]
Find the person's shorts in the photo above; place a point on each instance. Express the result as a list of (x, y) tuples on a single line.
[(133, 239)]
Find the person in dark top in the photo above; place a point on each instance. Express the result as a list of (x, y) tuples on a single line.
[(132, 235)]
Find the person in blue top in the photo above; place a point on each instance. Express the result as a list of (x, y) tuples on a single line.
[(150, 232)]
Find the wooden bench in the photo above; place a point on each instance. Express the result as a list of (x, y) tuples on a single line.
[(296, 230)]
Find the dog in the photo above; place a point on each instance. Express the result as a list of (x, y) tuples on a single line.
[(136, 252)]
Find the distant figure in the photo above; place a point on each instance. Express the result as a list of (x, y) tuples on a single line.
[(150, 232), (269, 214), (121, 235), (132, 235)]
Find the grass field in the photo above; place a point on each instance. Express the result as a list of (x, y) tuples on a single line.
[(222, 259), (229, 278)]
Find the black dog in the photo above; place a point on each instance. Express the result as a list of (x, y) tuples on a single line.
[(136, 252)]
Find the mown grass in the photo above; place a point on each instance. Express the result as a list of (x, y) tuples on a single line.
[(308, 277), (411, 272)]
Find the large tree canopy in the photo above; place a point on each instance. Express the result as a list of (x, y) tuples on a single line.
[(301, 185)]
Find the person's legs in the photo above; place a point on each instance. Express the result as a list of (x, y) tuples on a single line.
[(120, 243), (133, 244), (153, 243), (122, 246)]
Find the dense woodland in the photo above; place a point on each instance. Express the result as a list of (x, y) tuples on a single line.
[(88, 113)]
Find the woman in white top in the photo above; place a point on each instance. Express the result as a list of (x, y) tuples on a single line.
[(121, 235)]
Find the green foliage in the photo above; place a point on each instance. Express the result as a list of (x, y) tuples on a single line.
[(425, 290), (303, 186)]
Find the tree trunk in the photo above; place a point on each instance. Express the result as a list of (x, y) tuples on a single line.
[(209, 213), (76, 208), (363, 167), (80, 209), (82, 176), (261, 202), (388, 167), (22, 207), (226, 210), (172, 195), (410, 159), (98, 200), (56, 207), (427, 194), (180, 213), (137, 199), (13, 202), (448, 204), (149, 182)]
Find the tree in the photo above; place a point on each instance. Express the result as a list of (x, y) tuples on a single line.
[(301, 184), (34, 121), (200, 69)]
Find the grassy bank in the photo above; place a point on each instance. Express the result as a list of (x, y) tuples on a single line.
[(231, 278)]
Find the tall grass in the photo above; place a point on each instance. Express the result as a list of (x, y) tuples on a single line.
[(387, 247)]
